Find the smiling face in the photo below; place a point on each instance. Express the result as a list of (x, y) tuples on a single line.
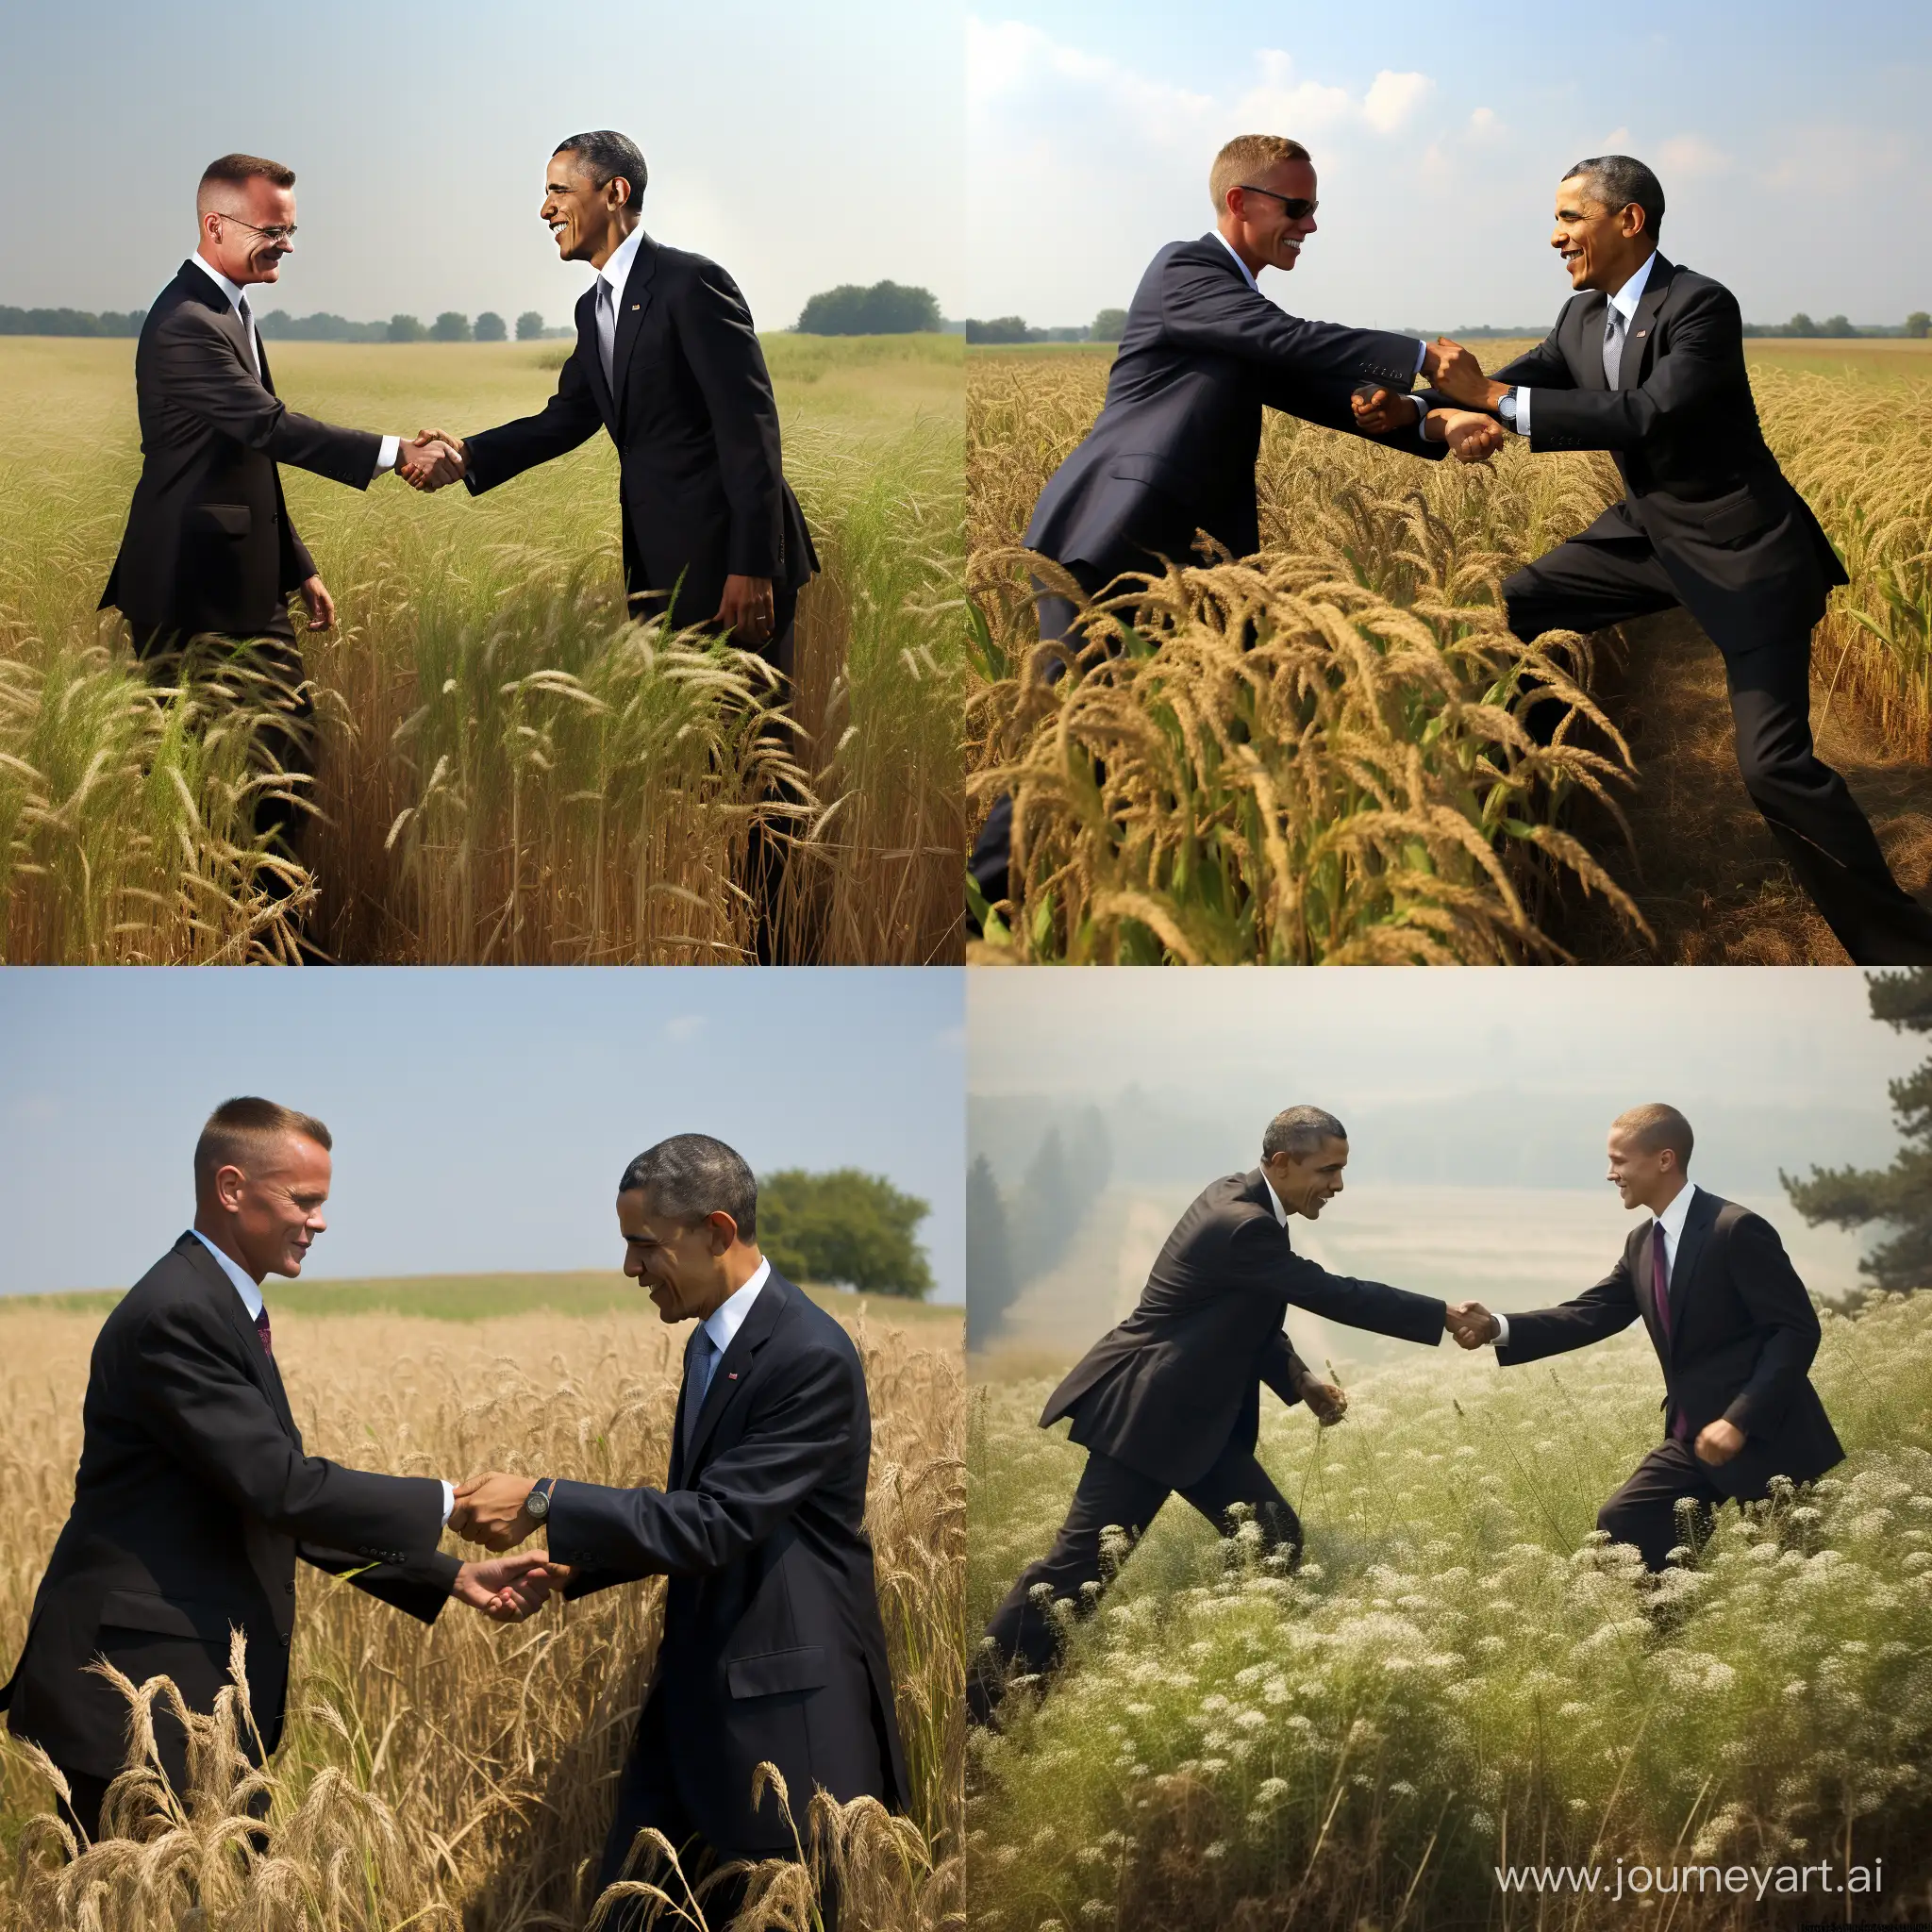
[(1643, 1179), (682, 1265), (1265, 234), (587, 222), (1601, 247), (266, 1206), (242, 254), (1307, 1182)]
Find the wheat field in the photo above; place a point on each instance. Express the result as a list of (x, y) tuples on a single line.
[(508, 771), (1460, 1676), (1315, 754), (462, 1776)]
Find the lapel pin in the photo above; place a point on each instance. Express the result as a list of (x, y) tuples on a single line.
[(732, 1376), (635, 306)]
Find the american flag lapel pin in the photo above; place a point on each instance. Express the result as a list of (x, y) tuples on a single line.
[(732, 1376)]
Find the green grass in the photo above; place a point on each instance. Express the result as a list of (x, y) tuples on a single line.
[(483, 1297), (1460, 1674)]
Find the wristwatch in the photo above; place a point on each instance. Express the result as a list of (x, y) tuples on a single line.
[(537, 1503), (1506, 408)]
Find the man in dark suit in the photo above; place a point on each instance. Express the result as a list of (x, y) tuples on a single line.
[(773, 1649), (209, 548), (1171, 1398), (1647, 361), (1174, 449), (194, 1496), (668, 362), (1733, 1328)]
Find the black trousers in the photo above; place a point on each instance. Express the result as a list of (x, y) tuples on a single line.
[(1644, 1511), (1591, 583), (647, 1795), (1024, 1635)]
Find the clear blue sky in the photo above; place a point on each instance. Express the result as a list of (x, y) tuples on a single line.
[(1790, 140), (481, 1117), (802, 146)]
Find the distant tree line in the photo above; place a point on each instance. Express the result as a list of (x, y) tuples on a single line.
[(69, 321), (450, 326), (1107, 326), (886, 308), (1014, 1238)]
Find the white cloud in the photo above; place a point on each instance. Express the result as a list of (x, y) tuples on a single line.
[(1393, 97), (1689, 155), (1485, 128)]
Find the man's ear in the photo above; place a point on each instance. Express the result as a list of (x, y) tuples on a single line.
[(723, 1230)]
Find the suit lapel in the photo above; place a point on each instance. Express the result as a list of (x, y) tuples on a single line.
[(262, 350), (729, 1375), (1697, 1225), (1590, 357), (1636, 338), (260, 1365), (631, 307)]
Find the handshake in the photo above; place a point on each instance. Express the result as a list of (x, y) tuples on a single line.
[(490, 1511), (1471, 429), (1472, 1324), (432, 459)]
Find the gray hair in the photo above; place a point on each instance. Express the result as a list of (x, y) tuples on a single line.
[(691, 1176), (605, 154), (1301, 1130), (1618, 182)]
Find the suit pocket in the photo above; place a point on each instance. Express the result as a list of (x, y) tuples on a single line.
[(777, 1671), (224, 519), (140, 1610), (1733, 519)]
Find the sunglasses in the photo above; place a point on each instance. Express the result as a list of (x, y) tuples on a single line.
[(1293, 206)]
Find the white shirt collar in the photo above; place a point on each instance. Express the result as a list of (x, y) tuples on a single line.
[(231, 289), (617, 270), (727, 1317), (250, 1292), (1247, 276), (1275, 1200), (1671, 1220), (1626, 298)]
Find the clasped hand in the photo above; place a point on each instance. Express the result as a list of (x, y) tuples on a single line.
[(1471, 1323), (432, 459), (508, 1589), (1472, 435), (490, 1510)]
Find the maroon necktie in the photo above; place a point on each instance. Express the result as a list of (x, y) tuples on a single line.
[(1660, 1290), (268, 1347)]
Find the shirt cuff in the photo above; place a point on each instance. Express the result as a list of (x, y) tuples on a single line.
[(449, 1503), (1422, 416), (1502, 1329), (385, 460), (1421, 355)]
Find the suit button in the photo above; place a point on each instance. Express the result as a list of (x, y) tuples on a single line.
[(286, 1636), (290, 1586)]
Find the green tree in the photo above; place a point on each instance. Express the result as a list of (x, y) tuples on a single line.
[(1918, 325), (1802, 324), (529, 327), (886, 308), (490, 326), (451, 327), (406, 328), (1837, 327), (1110, 326), (848, 1227), (1901, 1194), (992, 1286), (1002, 328)]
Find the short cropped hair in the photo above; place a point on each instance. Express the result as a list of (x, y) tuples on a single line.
[(1301, 1130), (1620, 182), (691, 1176), (1246, 156), (605, 154), (1657, 1126), (238, 170), (240, 1131)]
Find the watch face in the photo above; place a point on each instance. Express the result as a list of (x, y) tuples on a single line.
[(537, 1504)]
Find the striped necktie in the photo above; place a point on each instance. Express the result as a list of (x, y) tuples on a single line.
[(1613, 345), (248, 331)]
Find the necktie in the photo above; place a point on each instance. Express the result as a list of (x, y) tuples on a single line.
[(606, 332), (248, 332), (1613, 345), (268, 1347), (1660, 1290), (697, 1380)]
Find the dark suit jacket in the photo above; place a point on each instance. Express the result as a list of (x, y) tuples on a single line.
[(1174, 449), (208, 546), (1180, 1380), (1743, 1335), (773, 1648), (192, 1501), (1741, 547), (696, 429)]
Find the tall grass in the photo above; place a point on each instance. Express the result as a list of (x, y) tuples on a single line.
[(463, 1775), (508, 771), (1462, 1675)]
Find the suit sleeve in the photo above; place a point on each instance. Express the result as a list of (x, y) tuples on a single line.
[(1540, 368), (1282, 1368), (1764, 1277), (1328, 406), (419, 1586), (204, 380), (565, 423), (1597, 1313), (715, 331), (801, 1433), (1694, 368), (202, 1408), (1260, 1250)]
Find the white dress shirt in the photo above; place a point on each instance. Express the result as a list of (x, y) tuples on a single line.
[(1275, 1200), (610, 280), (1624, 302), (250, 1292), (727, 1317), (385, 457), (1672, 1221)]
